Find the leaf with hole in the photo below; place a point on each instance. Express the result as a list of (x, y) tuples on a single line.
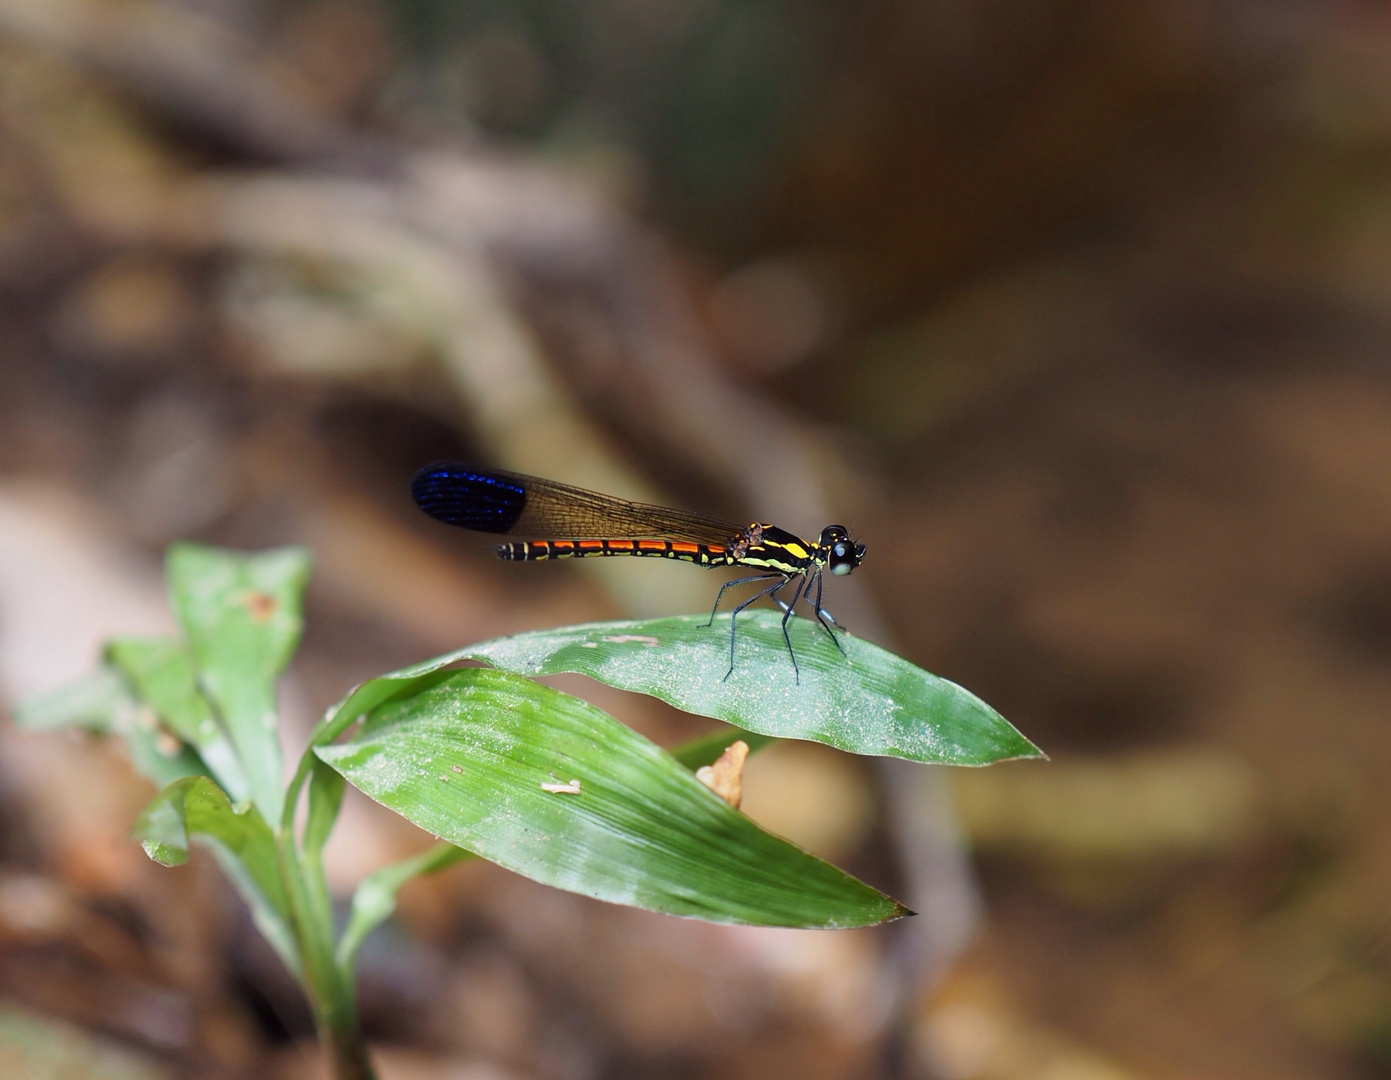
[(242, 617)]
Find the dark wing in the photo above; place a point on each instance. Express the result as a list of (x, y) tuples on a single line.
[(494, 501)]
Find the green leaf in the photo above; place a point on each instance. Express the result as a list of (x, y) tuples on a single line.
[(157, 755), (102, 703), (869, 702), (161, 672), (360, 700), (314, 905), (466, 755), (195, 808), (325, 797), (374, 900), (242, 616), (95, 702)]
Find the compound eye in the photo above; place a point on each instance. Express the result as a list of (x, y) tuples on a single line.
[(841, 550), (842, 568)]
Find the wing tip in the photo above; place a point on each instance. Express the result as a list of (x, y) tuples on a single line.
[(467, 496)]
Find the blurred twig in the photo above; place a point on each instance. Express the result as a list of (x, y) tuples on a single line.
[(197, 72)]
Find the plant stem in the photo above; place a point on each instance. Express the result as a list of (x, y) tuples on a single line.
[(331, 989), (331, 992), (340, 1035)]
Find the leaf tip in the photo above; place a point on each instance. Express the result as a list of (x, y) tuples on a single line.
[(1017, 748), (165, 854), (1031, 752)]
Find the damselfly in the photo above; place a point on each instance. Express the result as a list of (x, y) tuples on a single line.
[(564, 522)]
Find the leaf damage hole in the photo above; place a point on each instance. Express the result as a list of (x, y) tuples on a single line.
[(261, 606)]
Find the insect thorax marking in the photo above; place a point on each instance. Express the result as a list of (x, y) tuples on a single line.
[(772, 548)]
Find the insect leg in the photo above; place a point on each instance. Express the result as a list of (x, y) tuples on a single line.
[(730, 584), (734, 616), (822, 615), (787, 614)]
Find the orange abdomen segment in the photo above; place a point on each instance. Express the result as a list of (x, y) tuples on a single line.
[(538, 550)]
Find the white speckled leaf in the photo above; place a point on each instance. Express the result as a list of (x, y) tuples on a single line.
[(549, 786), (869, 702)]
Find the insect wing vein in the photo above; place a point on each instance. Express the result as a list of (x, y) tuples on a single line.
[(539, 509)]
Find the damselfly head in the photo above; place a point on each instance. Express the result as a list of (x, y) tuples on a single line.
[(842, 553)]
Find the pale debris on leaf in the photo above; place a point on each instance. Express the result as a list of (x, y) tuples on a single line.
[(571, 788), (726, 776)]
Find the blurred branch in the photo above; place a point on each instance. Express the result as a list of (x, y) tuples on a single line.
[(199, 73)]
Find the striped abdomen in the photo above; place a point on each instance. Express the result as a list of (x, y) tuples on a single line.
[(535, 550)]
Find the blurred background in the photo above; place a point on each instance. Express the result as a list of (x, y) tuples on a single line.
[(1078, 313)]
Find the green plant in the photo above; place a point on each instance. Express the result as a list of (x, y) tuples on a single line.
[(495, 764)]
